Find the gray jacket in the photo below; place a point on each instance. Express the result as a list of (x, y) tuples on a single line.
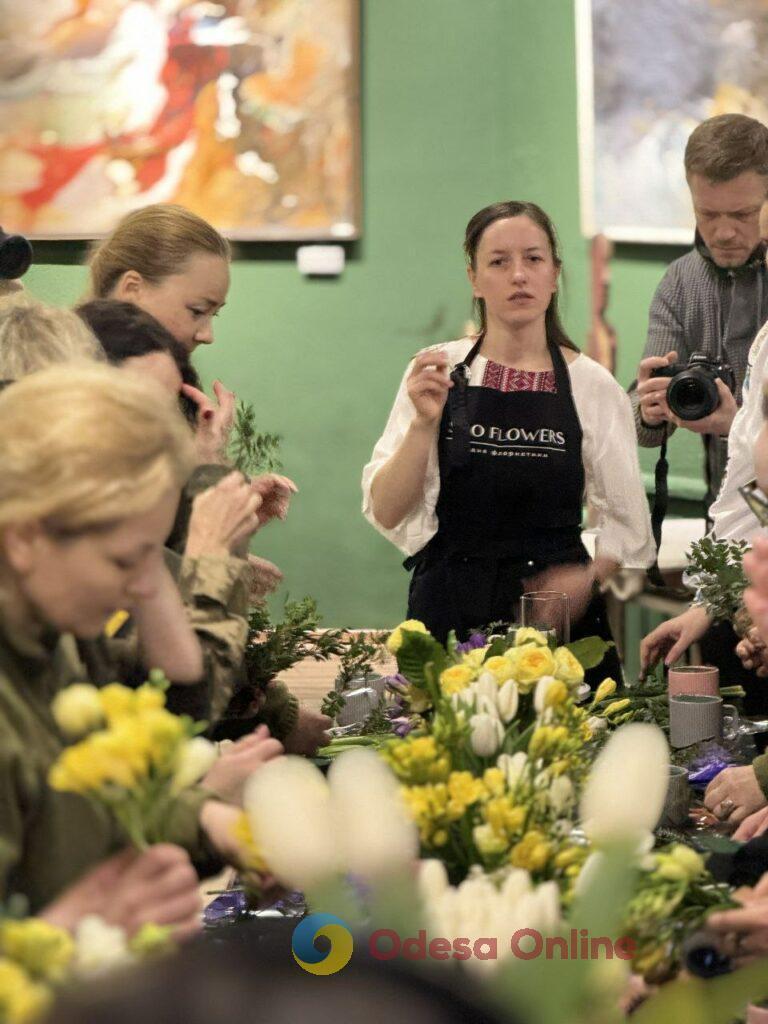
[(700, 307)]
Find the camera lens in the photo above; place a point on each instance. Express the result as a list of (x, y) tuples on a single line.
[(693, 394), (15, 256)]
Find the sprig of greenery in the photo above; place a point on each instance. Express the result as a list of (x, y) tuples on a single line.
[(274, 647), (250, 451), (717, 567)]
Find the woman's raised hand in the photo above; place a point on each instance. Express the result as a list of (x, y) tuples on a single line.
[(214, 422), (428, 386), (238, 762), (223, 517)]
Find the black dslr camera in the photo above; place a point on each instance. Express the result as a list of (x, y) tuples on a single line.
[(692, 393), (15, 256)]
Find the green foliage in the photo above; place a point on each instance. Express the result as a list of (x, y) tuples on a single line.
[(719, 572), (249, 450), (274, 647), (589, 651)]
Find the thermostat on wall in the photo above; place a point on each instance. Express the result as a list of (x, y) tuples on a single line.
[(320, 260)]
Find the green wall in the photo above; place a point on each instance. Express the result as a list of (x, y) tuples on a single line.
[(462, 104)]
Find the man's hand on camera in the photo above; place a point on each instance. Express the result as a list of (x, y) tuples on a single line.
[(719, 422), (652, 391)]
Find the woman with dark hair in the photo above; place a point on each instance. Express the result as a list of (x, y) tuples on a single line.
[(495, 441), (134, 339)]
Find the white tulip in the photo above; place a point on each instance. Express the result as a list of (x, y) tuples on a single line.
[(541, 692), (486, 683), (196, 757), (514, 766), (432, 880), (288, 803), (625, 792), (561, 794), (376, 835), (486, 705), (486, 734), (507, 700)]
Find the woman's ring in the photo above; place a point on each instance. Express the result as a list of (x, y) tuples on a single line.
[(726, 806)]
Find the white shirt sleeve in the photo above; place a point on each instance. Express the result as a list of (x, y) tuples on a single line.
[(731, 517), (614, 486)]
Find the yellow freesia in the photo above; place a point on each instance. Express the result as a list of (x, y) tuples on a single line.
[(605, 690), (22, 1001), (42, 949), (77, 709)]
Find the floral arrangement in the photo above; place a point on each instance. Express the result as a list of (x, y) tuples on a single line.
[(38, 958), (135, 757), (498, 749), (672, 898), (323, 835)]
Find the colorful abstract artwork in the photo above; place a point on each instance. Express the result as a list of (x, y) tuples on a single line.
[(649, 72), (245, 111)]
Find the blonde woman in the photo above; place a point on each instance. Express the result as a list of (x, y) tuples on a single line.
[(175, 265), (33, 335), (93, 463)]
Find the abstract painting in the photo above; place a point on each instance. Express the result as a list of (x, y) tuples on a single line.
[(648, 73), (245, 111)]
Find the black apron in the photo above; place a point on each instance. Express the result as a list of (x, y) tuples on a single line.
[(510, 505)]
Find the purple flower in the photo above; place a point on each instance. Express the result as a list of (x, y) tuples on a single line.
[(401, 726), (396, 683), (476, 640)]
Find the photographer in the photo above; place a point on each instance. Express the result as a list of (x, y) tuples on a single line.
[(714, 299)]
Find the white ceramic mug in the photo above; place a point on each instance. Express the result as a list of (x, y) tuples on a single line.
[(694, 718)]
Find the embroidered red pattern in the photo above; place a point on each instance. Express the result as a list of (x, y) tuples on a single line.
[(506, 378)]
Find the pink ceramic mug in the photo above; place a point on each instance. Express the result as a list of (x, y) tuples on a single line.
[(703, 680)]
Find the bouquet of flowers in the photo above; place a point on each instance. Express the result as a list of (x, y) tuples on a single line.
[(136, 758), (671, 900), (38, 958), (492, 769)]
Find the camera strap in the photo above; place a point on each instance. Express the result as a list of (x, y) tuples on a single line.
[(660, 502)]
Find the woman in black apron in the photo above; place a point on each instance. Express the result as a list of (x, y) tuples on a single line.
[(512, 478)]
